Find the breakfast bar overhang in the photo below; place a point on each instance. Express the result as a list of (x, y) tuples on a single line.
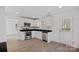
[(44, 32)]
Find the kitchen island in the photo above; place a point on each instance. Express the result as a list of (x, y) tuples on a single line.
[(44, 32)]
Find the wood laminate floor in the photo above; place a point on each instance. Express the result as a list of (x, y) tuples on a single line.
[(36, 45)]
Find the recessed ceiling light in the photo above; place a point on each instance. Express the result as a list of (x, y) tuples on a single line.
[(60, 6), (17, 12), (33, 16)]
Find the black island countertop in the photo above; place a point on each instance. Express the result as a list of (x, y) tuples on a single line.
[(35, 29), (44, 32)]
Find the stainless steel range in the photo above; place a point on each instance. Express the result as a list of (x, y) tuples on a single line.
[(27, 33)]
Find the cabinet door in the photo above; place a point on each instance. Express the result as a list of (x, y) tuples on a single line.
[(37, 34), (53, 36), (21, 35), (66, 37), (11, 27)]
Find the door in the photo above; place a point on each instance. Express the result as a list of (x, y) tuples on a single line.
[(11, 27)]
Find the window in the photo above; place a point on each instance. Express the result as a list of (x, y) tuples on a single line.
[(66, 23)]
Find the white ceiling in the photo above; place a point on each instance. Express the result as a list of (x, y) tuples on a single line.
[(37, 11)]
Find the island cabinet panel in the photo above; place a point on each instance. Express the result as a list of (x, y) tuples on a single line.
[(36, 34), (21, 35)]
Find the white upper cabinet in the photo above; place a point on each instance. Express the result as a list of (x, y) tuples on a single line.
[(35, 23), (46, 22), (21, 22)]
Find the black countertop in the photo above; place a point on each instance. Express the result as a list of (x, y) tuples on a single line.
[(43, 30)]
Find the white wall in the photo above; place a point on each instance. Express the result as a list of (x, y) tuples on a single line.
[(70, 38), (2, 25)]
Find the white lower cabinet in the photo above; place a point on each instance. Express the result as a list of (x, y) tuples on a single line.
[(66, 38), (62, 37), (50, 37), (37, 34), (21, 36), (53, 36)]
